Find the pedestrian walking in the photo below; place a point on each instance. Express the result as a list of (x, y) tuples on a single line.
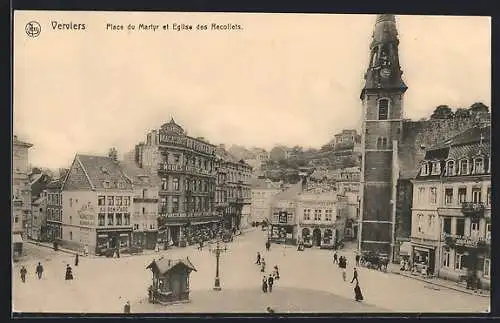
[(263, 265), (23, 273), (86, 250), (355, 276), (357, 259), (270, 282), (76, 260), (276, 273), (126, 308), (264, 284), (335, 258), (358, 296), (201, 245), (117, 252), (268, 245), (69, 273), (343, 266), (258, 259), (39, 270)]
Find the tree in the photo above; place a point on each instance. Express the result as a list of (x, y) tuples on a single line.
[(462, 113), (479, 107), (442, 112)]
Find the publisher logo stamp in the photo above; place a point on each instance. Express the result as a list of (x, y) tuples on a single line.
[(33, 29)]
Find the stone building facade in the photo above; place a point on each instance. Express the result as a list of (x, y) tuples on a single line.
[(186, 167)]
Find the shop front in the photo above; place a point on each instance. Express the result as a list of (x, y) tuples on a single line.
[(145, 239), (283, 234), (423, 259), (112, 239), (318, 236)]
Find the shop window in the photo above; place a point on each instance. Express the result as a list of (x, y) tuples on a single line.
[(487, 268), (101, 219), (448, 196), (459, 261), (433, 195), (460, 227), (126, 219), (446, 258), (462, 195), (101, 200), (110, 219), (118, 201), (476, 195), (111, 200)]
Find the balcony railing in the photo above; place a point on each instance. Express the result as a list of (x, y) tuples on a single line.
[(473, 208), (471, 241)]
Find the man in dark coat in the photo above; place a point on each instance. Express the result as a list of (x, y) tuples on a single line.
[(270, 282), (268, 245), (23, 273), (264, 284), (76, 260), (355, 276), (39, 270), (258, 258), (335, 258)]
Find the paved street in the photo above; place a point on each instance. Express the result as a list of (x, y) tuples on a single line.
[(309, 282)]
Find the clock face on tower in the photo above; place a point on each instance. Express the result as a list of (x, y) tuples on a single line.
[(385, 72)]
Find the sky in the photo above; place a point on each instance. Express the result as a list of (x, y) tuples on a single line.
[(291, 79)]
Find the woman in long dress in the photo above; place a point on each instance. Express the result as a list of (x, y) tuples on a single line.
[(358, 296)]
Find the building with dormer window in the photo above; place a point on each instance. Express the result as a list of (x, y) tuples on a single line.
[(451, 214), (97, 204)]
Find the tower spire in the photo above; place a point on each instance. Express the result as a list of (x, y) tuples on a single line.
[(384, 71)]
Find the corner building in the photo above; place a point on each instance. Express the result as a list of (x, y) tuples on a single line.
[(185, 166)]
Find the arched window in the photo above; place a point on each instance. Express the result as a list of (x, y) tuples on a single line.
[(479, 165), (383, 109), (464, 167), (450, 168)]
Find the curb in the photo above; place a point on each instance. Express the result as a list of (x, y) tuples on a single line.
[(444, 286), (50, 247)]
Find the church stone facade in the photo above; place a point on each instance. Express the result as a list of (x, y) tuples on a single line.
[(391, 145)]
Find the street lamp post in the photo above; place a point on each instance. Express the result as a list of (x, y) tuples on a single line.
[(218, 250)]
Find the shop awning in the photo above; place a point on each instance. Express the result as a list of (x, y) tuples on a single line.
[(16, 238), (423, 248)]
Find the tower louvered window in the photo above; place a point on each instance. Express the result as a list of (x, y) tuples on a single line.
[(383, 109)]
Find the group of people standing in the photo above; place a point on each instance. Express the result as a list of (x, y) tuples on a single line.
[(267, 280), (39, 271), (342, 264)]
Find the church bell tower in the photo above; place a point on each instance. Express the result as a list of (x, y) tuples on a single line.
[(382, 116)]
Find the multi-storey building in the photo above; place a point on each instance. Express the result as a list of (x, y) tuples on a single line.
[(347, 136), (349, 180), (236, 185), (97, 203), (145, 204), (283, 217), (185, 166), (21, 192), (38, 220), (54, 209), (263, 191), (321, 219), (451, 214)]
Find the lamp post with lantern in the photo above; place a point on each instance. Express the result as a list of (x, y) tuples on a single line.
[(217, 251)]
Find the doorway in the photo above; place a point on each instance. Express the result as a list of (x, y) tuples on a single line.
[(174, 235), (316, 237)]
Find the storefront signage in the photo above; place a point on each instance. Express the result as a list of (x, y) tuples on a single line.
[(464, 241), (87, 215)]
